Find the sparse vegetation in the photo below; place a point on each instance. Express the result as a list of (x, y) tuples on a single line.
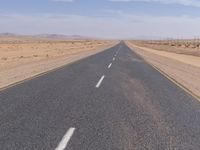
[(4, 58), (192, 43), (23, 50), (35, 55), (181, 46)]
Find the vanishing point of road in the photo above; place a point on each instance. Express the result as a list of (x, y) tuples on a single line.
[(113, 100)]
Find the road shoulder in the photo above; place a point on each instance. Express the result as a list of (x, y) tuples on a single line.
[(183, 74)]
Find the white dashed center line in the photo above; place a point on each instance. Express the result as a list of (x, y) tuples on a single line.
[(63, 143), (100, 81), (109, 65), (118, 50)]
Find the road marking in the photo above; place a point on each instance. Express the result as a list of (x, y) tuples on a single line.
[(63, 144), (113, 58), (119, 48), (100, 81), (109, 65)]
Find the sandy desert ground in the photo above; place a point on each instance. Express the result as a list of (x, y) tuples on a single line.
[(21, 58), (187, 47), (182, 67)]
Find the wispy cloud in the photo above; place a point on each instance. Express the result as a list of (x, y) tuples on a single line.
[(119, 26), (195, 3)]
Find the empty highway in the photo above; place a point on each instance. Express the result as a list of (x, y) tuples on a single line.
[(113, 100)]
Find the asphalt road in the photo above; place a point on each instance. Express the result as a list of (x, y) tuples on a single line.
[(103, 102)]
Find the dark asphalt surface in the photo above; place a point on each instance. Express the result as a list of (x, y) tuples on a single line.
[(135, 108)]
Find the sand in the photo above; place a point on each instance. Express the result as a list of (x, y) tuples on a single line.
[(22, 58)]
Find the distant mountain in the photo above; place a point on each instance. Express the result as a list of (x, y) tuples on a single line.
[(61, 36), (8, 34), (150, 38), (47, 36)]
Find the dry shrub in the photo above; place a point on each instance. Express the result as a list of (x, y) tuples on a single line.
[(35, 55), (4, 58)]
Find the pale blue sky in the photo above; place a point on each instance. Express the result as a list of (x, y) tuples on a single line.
[(102, 18)]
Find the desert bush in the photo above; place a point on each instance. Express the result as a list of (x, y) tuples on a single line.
[(35, 55), (4, 58)]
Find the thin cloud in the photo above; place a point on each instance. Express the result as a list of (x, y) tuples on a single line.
[(194, 3), (119, 26)]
